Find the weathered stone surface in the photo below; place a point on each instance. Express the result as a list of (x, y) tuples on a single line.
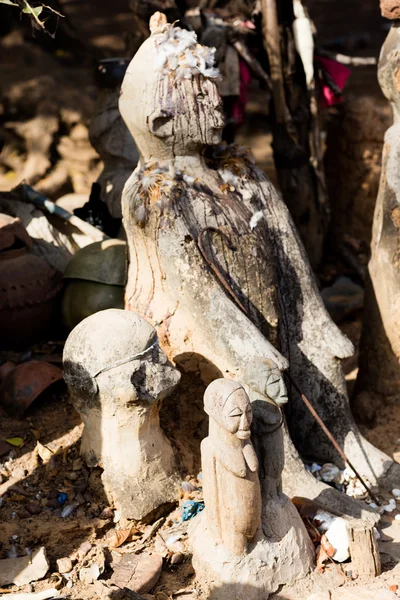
[(138, 573), (24, 569), (390, 9), (117, 377)]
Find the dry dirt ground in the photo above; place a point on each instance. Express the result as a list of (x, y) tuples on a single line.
[(32, 476)]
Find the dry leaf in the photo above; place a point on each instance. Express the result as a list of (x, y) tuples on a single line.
[(116, 537)]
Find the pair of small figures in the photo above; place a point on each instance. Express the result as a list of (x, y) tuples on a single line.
[(118, 377)]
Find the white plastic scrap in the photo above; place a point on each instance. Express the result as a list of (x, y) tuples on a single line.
[(379, 509), (304, 40), (180, 53), (336, 533), (337, 536)]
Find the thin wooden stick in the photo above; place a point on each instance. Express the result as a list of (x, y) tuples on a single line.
[(330, 436)]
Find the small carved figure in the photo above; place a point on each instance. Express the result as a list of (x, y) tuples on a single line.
[(250, 535), (267, 392), (117, 377), (229, 462)]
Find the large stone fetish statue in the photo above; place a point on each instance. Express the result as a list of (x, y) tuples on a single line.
[(117, 377), (215, 262), (379, 374), (244, 545)]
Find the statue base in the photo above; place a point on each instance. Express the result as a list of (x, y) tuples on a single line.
[(272, 560)]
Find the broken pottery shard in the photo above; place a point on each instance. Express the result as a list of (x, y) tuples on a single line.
[(24, 569), (390, 9), (138, 573)]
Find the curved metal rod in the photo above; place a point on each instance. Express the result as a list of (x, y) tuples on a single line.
[(214, 267)]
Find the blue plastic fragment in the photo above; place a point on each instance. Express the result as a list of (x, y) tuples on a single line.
[(190, 509), (62, 498)]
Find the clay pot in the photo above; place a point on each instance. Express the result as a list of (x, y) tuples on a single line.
[(28, 288), (95, 281)]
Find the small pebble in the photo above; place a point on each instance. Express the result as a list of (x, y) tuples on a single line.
[(177, 558), (188, 487), (23, 514), (95, 510), (84, 549), (73, 476), (68, 510), (12, 552), (77, 464), (80, 485), (330, 473), (315, 468), (388, 508), (79, 498), (107, 513), (396, 493), (69, 584), (397, 517), (379, 509), (33, 508), (64, 565), (117, 516)]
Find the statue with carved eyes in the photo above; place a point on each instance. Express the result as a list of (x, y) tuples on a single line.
[(229, 463), (267, 392), (249, 533)]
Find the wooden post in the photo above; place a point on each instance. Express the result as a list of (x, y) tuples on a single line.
[(365, 558), (299, 169)]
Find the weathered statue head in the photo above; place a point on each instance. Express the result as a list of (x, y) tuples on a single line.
[(226, 402), (169, 99), (114, 355), (264, 377), (117, 377)]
